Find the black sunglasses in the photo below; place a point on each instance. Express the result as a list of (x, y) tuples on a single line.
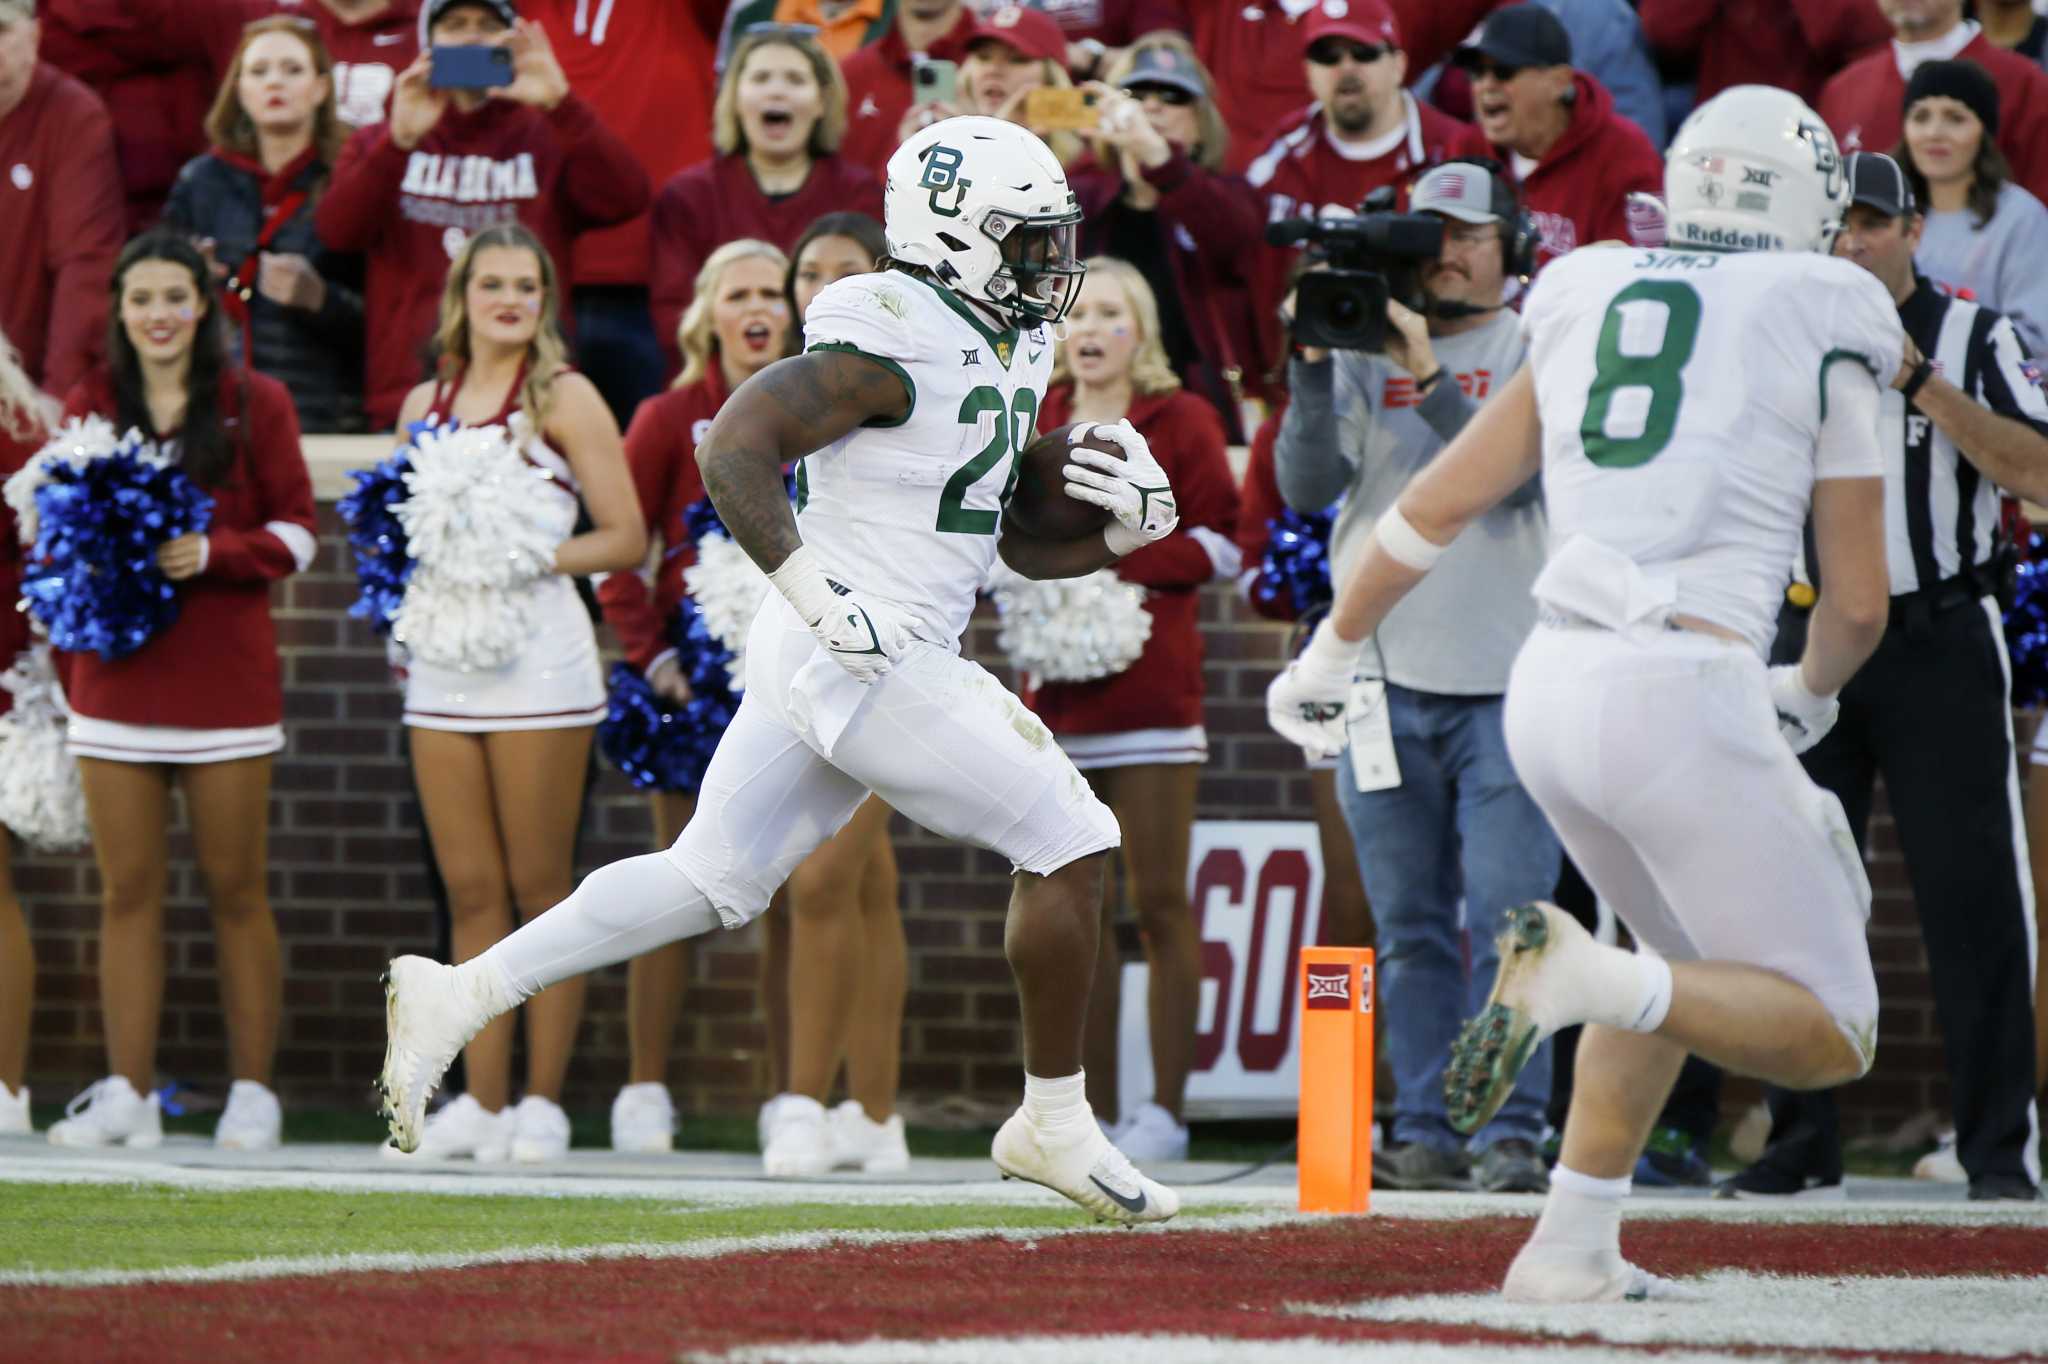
[(1333, 50), (1483, 67), (1165, 94)]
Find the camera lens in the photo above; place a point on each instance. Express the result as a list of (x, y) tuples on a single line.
[(1345, 310)]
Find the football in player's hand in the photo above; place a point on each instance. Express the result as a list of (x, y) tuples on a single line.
[(1039, 505)]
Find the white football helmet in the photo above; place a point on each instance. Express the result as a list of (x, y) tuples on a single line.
[(1754, 169), (983, 205)]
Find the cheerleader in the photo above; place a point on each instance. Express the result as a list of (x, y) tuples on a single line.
[(500, 755), (200, 706), (21, 435), (1138, 735)]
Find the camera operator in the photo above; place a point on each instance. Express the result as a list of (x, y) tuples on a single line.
[(1453, 823)]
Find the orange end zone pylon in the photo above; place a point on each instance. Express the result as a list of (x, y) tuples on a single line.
[(1335, 1145)]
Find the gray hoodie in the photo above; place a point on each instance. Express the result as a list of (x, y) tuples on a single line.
[(2003, 264)]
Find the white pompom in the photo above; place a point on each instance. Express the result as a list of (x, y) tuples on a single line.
[(1070, 629), (40, 795), (76, 442), (729, 588), (482, 525)]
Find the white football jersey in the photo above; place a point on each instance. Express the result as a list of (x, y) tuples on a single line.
[(1681, 399), (909, 511)]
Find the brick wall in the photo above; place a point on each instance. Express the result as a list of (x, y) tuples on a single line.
[(349, 888)]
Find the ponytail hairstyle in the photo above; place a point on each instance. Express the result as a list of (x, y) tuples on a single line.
[(546, 354), (206, 453)]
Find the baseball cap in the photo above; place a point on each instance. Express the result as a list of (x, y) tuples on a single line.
[(1363, 21), (1876, 181), (1162, 65), (1519, 36), (431, 15), (1458, 189), (1032, 32)]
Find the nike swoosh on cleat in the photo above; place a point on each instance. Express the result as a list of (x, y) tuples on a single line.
[(1127, 1204)]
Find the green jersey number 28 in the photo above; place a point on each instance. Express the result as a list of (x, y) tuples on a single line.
[(1014, 421), (1646, 339)]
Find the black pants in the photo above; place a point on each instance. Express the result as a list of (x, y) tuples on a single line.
[(1931, 711)]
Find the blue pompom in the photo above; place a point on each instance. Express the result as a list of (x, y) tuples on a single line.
[(383, 561), (659, 745), (92, 578), (1297, 563), (2026, 626)]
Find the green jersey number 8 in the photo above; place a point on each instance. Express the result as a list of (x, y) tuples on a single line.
[(1645, 341), (1013, 425)]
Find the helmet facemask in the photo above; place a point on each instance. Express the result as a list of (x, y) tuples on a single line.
[(1041, 270)]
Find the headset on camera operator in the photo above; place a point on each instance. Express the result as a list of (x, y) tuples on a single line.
[(1414, 309)]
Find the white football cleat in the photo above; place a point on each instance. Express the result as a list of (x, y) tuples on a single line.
[(428, 1019), (799, 1139), (1542, 970), (110, 1111), (14, 1119), (252, 1121), (1548, 1273), (1153, 1134), (861, 1143), (644, 1120), (540, 1130), (460, 1128), (1089, 1170)]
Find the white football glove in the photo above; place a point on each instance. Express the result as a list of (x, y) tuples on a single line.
[(1134, 489), (1306, 702), (862, 635), (1803, 718)]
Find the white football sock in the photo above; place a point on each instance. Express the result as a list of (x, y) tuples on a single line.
[(1058, 1107), (1611, 986), (1582, 1213), (619, 912)]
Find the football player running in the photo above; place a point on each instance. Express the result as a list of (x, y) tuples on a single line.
[(1686, 408), (918, 389)]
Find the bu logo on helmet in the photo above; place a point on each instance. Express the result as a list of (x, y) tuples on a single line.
[(942, 173), (1825, 158)]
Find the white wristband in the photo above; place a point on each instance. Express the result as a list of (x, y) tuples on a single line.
[(1329, 656), (1122, 540), (804, 584), (1404, 544)]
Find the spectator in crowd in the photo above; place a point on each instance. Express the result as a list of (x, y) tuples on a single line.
[(408, 192), (2016, 26), (738, 324), (1137, 735), (60, 209), (844, 26), (295, 308), (835, 965), (200, 706), (1793, 44), (1931, 709), (500, 755), (1608, 45), (625, 60), (1011, 52), (1253, 50), (879, 89), (1864, 102), (1980, 232), (1154, 194), (1458, 823), (1574, 159), (1100, 33), (22, 422), (781, 115), (1364, 130)]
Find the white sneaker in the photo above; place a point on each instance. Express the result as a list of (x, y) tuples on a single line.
[(764, 1123), (644, 1119), (462, 1127), (861, 1143), (14, 1112), (428, 1019), (1542, 955), (1090, 1171), (1547, 1273), (1153, 1134), (109, 1111), (799, 1139), (252, 1121), (540, 1130), (1940, 1164)]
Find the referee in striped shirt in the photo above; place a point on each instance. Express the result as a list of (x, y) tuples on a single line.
[(1932, 709)]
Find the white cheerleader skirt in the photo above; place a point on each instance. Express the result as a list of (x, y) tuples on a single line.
[(554, 682), (1137, 747), (112, 741)]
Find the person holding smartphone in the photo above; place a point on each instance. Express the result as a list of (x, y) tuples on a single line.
[(880, 78), (495, 139)]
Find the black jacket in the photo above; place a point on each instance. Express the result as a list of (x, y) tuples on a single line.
[(318, 355)]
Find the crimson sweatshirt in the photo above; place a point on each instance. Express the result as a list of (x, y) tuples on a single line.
[(62, 220), (1163, 689), (878, 92), (1865, 107), (216, 666), (1259, 504), (718, 201), (409, 213), (661, 454), (1578, 192), (1793, 44)]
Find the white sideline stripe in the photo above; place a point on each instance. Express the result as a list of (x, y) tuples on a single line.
[(1162, 1349), (281, 1267), (1976, 1315)]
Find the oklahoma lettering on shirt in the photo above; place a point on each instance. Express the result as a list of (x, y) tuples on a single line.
[(437, 187)]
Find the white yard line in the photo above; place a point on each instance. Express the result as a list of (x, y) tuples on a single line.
[(1162, 1349)]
